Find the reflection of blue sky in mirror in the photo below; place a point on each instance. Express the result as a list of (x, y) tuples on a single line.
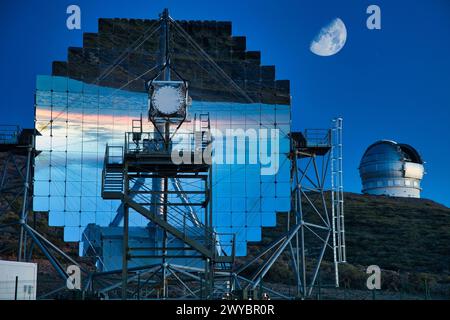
[(77, 120)]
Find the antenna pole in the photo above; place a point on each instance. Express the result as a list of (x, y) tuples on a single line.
[(164, 56), (164, 128)]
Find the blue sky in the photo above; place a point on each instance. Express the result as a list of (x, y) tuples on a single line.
[(391, 83)]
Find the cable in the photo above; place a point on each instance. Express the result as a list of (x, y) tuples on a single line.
[(226, 87), (210, 60), (115, 63)]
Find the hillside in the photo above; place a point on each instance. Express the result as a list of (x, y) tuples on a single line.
[(398, 234), (408, 238)]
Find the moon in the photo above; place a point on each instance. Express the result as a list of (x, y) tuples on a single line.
[(330, 40)]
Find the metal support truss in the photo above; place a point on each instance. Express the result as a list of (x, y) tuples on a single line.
[(183, 230), (16, 188), (315, 222), (146, 282)]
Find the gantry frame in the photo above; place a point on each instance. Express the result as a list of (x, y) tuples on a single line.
[(16, 189), (315, 222)]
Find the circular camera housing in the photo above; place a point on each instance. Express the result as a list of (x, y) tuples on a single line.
[(167, 100)]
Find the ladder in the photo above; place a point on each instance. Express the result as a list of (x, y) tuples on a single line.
[(337, 196), (202, 129), (137, 131), (205, 122)]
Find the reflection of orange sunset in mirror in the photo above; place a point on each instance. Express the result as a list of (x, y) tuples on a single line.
[(82, 131), (90, 120), (86, 122)]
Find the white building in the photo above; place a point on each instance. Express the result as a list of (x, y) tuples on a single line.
[(18, 280), (391, 168)]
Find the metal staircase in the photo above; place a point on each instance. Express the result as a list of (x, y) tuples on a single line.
[(190, 235), (179, 209), (112, 174), (178, 222)]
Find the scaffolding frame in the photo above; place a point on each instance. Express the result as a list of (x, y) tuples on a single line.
[(134, 162), (16, 143), (313, 219)]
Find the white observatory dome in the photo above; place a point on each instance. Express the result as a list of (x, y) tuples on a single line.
[(391, 168)]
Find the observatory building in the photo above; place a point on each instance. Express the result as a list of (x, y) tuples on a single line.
[(391, 168)]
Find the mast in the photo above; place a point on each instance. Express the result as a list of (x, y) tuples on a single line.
[(161, 185)]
